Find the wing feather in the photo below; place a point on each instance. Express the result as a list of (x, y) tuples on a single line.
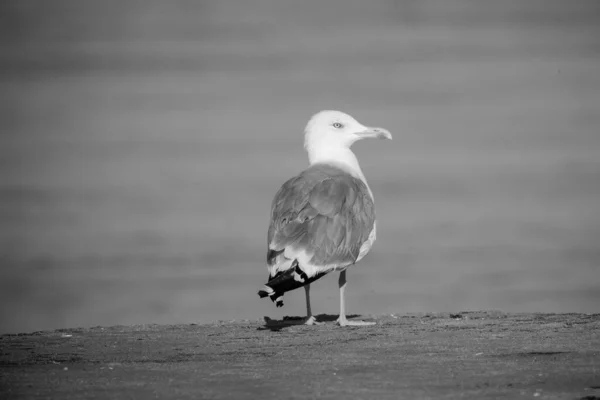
[(323, 210)]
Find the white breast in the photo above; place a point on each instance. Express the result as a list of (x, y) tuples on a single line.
[(366, 246)]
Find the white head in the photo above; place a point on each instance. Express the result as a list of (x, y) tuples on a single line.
[(329, 135)]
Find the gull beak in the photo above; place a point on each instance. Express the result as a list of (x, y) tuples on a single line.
[(376, 133)]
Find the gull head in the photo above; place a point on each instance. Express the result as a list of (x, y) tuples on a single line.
[(335, 130)]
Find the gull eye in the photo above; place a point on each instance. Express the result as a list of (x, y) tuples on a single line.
[(337, 125)]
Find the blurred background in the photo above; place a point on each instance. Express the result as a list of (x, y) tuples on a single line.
[(141, 143)]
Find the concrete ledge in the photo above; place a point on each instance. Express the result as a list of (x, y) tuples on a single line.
[(421, 356)]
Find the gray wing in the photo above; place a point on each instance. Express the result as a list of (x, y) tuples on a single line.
[(330, 215)]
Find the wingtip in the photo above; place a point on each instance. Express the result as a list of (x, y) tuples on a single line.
[(265, 291)]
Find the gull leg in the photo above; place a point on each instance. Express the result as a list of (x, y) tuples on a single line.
[(310, 319), (342, 321)]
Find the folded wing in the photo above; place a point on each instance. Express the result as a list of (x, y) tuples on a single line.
[(325, 214)]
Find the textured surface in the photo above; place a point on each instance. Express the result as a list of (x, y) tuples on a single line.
[(479, 355)]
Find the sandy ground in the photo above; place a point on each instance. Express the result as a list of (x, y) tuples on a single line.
[(421, 356)]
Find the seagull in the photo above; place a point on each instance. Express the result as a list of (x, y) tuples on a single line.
[(323, 219)]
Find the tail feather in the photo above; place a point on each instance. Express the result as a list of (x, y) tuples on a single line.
[(287, 280)]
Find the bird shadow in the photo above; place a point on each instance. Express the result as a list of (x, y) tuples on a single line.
[(277, 325)]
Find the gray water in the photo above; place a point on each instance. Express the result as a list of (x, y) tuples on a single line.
[(141, 144)]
